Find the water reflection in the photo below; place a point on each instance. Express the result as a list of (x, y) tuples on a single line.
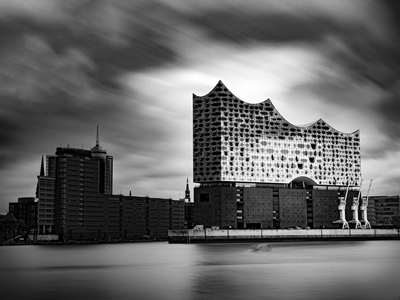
[(315, 270)]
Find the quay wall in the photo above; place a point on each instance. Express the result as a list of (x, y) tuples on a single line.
[(232, 235), (43, 237)]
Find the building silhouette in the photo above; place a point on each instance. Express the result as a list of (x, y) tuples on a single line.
[(82, 178), (75, 200), (382, 209), (25, 210), (45, 195), (257, 170)]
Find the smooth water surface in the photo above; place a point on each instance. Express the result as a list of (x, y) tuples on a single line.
[(303, 270)]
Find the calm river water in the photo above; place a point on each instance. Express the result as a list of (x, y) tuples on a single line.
[(305, 270)]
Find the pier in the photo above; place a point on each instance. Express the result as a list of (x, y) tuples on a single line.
[(209, 235)]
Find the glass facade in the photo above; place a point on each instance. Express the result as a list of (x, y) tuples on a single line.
[(235, 141)]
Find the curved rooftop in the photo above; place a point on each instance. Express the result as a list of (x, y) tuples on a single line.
[(268, 103)]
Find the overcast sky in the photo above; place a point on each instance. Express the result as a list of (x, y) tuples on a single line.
[(131, 67)]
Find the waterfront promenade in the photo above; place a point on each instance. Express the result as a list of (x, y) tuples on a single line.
[(237, 235)]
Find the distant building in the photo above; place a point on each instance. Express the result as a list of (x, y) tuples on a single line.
[(189, 215), (80, 178), (383, 209), (8, 227), (257, 170), (26, 210), (71, 193), (45, 193), (132, 217), (177, 214)]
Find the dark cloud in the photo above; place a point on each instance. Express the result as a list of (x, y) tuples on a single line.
[(139, 42), (393, 9), (365, 63), (66, 73), (364, 55), (241, 27), (389, 109)]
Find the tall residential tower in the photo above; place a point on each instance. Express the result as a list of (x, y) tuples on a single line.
[(71, 194)]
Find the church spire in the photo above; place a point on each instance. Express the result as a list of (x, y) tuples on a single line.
[(42, 168), (187, 191)]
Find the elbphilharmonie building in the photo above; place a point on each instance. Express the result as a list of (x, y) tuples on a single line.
[(235, 141), (257, 170)]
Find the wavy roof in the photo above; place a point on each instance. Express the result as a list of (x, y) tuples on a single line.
[(320, 121)]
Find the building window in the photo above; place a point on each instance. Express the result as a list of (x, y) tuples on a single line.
[(204, 198)]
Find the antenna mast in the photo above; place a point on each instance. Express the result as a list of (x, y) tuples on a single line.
[(97, 136)]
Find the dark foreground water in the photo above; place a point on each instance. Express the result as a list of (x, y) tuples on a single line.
[(308, 270)]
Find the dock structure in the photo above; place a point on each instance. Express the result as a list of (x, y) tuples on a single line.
[(277, 235)]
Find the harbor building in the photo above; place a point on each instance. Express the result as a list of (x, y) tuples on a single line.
[(257, 170), (25, 210), (384, 208)]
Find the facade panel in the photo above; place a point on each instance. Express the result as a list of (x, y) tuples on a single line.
[(325, 208), (258, 207), (293, 208)]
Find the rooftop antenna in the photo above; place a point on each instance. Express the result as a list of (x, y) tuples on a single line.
[(97, 136)]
